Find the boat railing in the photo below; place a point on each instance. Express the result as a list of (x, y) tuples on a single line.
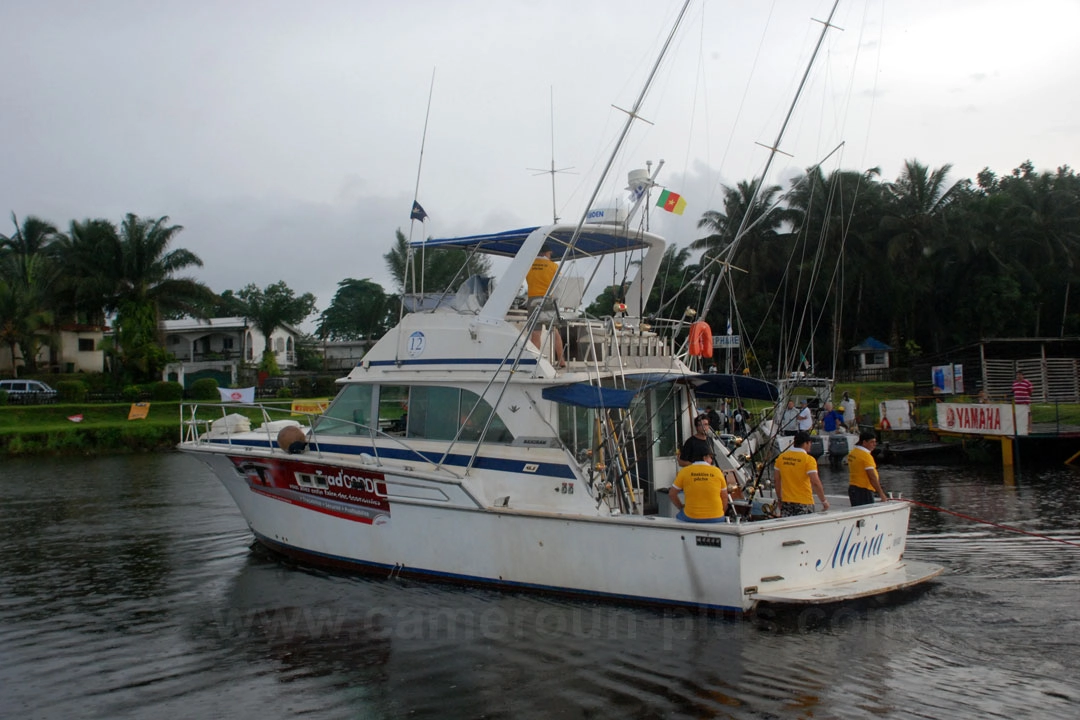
[(197, 428), (604, 344)]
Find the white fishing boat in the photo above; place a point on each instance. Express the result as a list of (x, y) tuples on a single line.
[(461, 450), (458, 451)]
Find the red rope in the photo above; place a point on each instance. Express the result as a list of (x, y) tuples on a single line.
[(987, 522)]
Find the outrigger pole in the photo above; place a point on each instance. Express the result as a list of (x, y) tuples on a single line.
[(773, 150)]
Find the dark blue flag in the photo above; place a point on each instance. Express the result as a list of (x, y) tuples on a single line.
[(417, 212)]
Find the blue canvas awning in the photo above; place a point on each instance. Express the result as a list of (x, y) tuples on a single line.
[(706, 385), (713, 385), (592, 241)]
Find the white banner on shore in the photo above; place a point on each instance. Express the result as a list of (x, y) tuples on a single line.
[(243, 395), (983, 419)]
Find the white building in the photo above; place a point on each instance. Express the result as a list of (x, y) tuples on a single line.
[(78, 349), (216, 347)]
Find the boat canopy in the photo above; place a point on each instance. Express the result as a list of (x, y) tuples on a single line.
[(593, 240), (705, 385)]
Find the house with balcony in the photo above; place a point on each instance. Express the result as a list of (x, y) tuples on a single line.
[(218, 347)]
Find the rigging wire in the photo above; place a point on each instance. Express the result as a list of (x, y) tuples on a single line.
[(1010, 528)]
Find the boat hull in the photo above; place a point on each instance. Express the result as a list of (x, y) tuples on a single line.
[(394, 522)]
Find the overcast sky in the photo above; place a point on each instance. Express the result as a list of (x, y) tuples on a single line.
[(285, 136)]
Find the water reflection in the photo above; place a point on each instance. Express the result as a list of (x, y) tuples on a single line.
[(128, 588)]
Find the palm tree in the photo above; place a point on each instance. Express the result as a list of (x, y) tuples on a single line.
[(25, 318), (31, 239), (272, 308), (358, 311), (438, 268), (85, 285), (915, 226), (138, 268), (759, 255), (27, 272)]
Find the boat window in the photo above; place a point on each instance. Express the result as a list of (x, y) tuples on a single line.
[(349, 413), (474, 424), (394, 408), (664, 414), (436, 413), (577, 428)]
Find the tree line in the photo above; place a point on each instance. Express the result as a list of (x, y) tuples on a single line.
[(920, 262), (130, 275)]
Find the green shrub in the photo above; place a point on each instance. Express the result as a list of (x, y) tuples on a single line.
[(3, 397), (71, 391), (130, 393), (204, 389), (284, 392), (167, 391)]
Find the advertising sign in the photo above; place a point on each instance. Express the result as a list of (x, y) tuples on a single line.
[(983, 419)]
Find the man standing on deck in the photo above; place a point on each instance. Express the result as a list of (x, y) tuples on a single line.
[(698, 445), (789, 418), (848, 406), (1021, 391), (863, 480), (539, 280), (805, 418), (795, 479)]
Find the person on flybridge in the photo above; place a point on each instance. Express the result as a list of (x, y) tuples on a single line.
[(539, 280)]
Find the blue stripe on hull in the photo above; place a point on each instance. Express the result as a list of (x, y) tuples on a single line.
[(373, 568), (451, 361), (553, 470)]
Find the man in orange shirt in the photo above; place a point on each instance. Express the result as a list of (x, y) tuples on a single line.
[(795, 479), (704, 488), (863, 480), (539, 280)]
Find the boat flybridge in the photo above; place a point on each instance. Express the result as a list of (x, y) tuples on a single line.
[(457, 450)]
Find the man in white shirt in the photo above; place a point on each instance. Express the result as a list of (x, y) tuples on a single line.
[(848, 406), (805, 417)]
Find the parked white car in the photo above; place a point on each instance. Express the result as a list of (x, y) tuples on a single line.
[(27, 391)]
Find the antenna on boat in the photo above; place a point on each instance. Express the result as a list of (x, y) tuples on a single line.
[(417, 212), (631, 115), (552, 171)]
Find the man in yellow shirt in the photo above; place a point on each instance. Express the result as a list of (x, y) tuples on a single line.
[(795, 479), (862, 471), (704, 488), (539, 280)]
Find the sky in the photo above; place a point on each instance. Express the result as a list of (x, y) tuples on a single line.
[(286, 137)]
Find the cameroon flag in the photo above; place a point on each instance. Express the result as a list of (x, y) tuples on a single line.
[(672, 202)]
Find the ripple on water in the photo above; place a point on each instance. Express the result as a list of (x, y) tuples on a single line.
[(128, 589)]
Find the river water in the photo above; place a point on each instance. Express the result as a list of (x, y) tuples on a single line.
[(129, 589)]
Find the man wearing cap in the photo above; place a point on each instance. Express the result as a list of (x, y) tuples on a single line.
[(862, 471), (704, 490), (805, 418), (795, 479), (539, 279)]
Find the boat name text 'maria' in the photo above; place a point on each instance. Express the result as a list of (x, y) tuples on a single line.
[(849, 550)]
